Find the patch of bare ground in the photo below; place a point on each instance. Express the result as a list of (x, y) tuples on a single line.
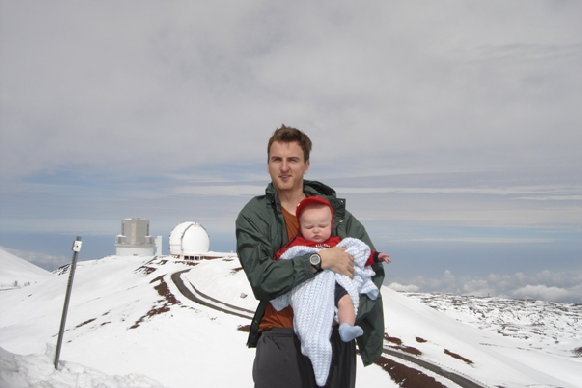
[(244, 328), (62, 270), (394, 340), (145, 270), (420, 340), (405, 376), (578, 352), (458, 357), (398, 345), (164, 291), (189, 262), (169, 299), (85, 323)]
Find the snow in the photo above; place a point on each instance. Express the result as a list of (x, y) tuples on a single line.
[(17, 272), (131, 324), (38, 370)]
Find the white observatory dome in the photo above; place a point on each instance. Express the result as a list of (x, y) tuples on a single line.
[(189, 239)]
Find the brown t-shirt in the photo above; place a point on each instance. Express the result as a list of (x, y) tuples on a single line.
[(283, 318)]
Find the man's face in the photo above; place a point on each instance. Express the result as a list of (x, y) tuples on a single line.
[(287, 166), (315, 223)]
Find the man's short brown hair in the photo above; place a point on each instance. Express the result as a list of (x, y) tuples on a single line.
[(289, 134)]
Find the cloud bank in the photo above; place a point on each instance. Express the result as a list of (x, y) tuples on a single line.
[(545, 285)]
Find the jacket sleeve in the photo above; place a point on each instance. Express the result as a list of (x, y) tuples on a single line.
[(258, 238), (371, 312), (373, 258)]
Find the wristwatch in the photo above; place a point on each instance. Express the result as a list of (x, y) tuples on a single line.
[(315, 261)]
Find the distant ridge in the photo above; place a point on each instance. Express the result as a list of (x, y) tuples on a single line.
[(17, 272)]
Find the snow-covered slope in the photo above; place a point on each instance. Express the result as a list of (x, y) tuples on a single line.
[(149, 322), (17, 272), (555, 328)]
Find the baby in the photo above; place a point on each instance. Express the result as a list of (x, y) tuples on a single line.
[(315, 230)]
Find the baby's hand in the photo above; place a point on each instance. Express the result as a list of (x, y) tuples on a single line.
[(384, 257)]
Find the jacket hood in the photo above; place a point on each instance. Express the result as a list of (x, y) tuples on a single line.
[(309, 187), (318, 188)]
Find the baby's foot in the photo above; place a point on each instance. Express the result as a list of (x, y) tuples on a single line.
[(348, 332)]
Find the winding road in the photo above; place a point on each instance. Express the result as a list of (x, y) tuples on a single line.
[(191, 293)]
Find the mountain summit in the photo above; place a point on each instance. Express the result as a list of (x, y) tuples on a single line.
[(159, 321)]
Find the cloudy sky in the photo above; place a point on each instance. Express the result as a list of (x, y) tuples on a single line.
[(451, 127)]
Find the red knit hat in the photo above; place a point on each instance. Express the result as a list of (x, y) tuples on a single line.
[(314, 199)]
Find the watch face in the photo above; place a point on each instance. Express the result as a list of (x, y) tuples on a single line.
[(315, 259)]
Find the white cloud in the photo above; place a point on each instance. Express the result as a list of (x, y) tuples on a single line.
[(403, 287), (228, 190), (419, 113), (543, 292), (43, 260), (536, 192), (103, 84), (479, 240), (550, 286)]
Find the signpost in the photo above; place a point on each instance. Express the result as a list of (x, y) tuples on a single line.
[(76, 249)]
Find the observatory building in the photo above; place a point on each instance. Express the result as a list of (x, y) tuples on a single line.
[(135, 240), (189, 240)]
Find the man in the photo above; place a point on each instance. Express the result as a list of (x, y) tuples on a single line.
[(263, 226)]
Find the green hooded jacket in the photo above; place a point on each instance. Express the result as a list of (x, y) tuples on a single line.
[(261, 231)]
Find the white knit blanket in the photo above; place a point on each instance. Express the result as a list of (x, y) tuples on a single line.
[(313, 303)]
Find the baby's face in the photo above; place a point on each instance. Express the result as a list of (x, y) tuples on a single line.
[(316, 223)]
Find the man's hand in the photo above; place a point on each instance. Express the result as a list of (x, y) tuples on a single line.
[(337, 260)]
